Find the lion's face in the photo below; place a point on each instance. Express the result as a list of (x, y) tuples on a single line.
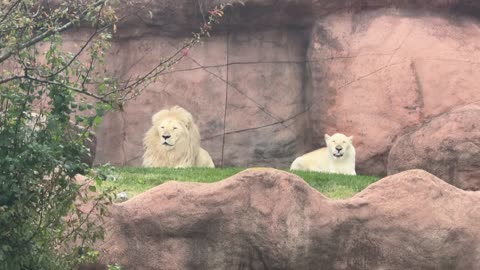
[(338, 145), (173, 140), (171, 133)]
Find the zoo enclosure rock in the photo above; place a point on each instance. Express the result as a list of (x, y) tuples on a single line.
[(256, 105), (378, 74), (269, 219), (448, 147), (274, 85)]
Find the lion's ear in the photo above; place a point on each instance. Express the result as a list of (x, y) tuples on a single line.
[(183, 115), (327, 137), (351, 138)]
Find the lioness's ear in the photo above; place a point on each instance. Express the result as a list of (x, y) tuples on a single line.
[(327, 137), (351, 138)]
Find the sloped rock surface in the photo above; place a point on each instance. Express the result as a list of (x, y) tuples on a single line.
[(448, 147), (268, 219)]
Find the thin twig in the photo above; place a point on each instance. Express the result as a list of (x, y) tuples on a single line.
[(9, 52), (9, 10)]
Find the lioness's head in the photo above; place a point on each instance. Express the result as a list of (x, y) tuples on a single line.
[(338, 144)]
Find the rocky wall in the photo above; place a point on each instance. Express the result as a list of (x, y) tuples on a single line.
[(264, 90)]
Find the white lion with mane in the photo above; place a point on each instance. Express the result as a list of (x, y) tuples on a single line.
[(337, 157), (174, 141)]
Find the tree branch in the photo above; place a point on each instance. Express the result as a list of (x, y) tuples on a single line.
[(9, 11), (78, 90), (9, 52)]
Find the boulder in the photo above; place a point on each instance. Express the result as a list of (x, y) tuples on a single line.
[(448, 146), (269, 219)]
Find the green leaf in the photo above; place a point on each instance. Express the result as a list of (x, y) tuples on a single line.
[(92, 188), (98, 120)]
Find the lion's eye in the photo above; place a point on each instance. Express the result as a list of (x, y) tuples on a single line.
[(344, 141), (174, 128), (162, 127), (333, 141)]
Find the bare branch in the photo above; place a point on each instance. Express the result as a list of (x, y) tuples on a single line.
[(9, 52), (2, 81), (9, 11), (178, 55), (89, 40), (131, 87), (78, 90)]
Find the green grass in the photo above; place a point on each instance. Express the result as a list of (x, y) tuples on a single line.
[(137, 180)]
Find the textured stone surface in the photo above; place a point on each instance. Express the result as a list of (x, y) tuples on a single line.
[(264, 115), (378, 73), (448, 147), (261, 114), (180, 16), (268, 219), (375, 74), (189, 85)]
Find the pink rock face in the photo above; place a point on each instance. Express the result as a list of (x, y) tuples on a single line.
[(268, 219), (263, 97), (448, 147), (262, 121), (377, 74), (195, 84)]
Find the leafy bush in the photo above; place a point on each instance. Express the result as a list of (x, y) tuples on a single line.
[(41, 225)]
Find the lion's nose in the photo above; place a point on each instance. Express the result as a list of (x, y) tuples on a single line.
[(339, 148), (166, 136)]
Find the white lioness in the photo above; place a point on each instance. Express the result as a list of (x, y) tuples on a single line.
[(337, 157)]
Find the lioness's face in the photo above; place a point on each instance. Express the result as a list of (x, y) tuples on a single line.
[(338, 144), (171, 133)]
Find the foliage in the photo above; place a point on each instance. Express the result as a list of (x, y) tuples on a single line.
[(46, 93), (114, 267), (137, 180)]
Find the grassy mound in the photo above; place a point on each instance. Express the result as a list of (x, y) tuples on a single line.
[(136, 180)]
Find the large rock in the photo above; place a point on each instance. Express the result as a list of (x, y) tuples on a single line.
[(378, 73), (448, 147), (268, 219)]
